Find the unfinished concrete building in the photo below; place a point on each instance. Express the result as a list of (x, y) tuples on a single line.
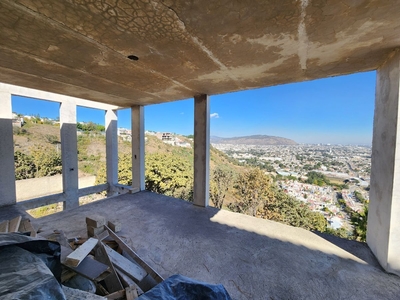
[(113, 54)]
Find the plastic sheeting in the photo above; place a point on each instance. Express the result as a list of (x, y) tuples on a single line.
[(29, 268), (178, 287)]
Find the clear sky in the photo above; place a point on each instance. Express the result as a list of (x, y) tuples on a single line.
[(337, 110)]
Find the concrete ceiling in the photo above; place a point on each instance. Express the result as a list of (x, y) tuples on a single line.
[(80, 47)]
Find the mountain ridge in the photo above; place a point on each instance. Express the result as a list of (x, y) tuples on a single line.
[(258, 139)]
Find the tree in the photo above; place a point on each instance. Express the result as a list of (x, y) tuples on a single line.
[(90, 126), (219, 185), (340, 232), (317, 178), (253, 188), (47, 160), (124, 171), (290, 211), (260, 196), (24, 166), (169, 174), (360, 197), (359, 222)]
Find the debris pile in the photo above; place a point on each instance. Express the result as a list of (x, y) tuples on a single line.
[(113, 268), (101, 264)]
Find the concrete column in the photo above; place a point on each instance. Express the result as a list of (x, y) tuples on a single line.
[(138, 141), (112, 150), (69, 154), (383, 234), (201, 150), (7, 173)]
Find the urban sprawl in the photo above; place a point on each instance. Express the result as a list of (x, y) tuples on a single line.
[(348, 165)]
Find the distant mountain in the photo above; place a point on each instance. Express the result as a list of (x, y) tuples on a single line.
[(253, 140)]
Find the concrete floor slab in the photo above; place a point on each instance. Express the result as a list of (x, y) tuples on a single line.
[(253, 258)]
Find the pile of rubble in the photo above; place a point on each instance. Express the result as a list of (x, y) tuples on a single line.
[(101, 264), (106, 260)]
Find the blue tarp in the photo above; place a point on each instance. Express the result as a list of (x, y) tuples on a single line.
[(178, 287), (29, 268)]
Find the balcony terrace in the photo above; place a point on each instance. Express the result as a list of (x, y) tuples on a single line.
[(128, 54), (253, 258)]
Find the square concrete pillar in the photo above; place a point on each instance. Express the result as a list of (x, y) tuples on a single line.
[(69, 154), (383, 233), (137, 115), (7, 173), (112, 150), (201, 150)]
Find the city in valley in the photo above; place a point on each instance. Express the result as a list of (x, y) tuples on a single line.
[(347, 168)]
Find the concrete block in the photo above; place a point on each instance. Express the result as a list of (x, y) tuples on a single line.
[(115, 225), (92, 231), (95, 221)]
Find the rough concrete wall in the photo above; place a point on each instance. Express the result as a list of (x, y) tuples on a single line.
[(383, 234), (37, 187)]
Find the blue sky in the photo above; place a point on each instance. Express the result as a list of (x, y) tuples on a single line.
[(337, 110)]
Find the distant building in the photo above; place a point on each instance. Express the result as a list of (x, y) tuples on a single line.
[(335, 222), (17, 121), (124, 131), (125, 134), (166, 136)]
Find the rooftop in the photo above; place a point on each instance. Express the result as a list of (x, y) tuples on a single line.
[(253, 258)]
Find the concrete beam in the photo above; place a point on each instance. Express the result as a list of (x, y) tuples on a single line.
[(138, 141), (54, 97), (112, 151), (383, 234), (69, 154), (201, 150), (7, 173)]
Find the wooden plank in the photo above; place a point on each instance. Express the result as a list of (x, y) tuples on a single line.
[(122, 263), (100, 289), (125, 279), (112, 281), (76, 257), (66, 275), (25, 226), (4, 226), (65, 251), (116, 295), (14, 224), (91, 269), (134, 256), (95, 221), (131, 293), (101, 236)]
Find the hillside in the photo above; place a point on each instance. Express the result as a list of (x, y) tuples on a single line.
[(43, 141), (217, 159), (168, 171), (253, 140)]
